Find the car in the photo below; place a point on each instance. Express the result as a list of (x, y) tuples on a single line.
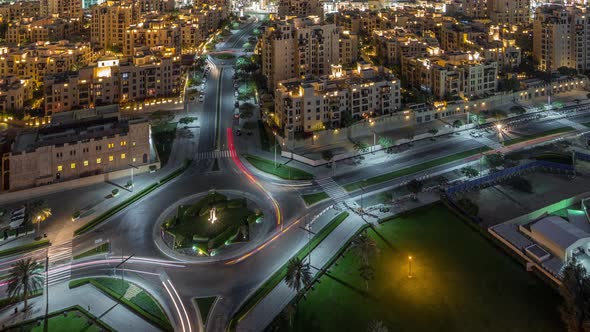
[(201, 98), (236, 93)]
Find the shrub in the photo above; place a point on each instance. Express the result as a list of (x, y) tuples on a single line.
[(235, 203), (198, 238), (115, 192), (220, 239)]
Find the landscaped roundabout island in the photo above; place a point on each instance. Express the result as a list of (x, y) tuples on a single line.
[(205, 225)]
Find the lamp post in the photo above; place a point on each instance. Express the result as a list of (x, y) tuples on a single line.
[(46, 322), (307, 228), (409, 266), (131, 166), (275, 137)]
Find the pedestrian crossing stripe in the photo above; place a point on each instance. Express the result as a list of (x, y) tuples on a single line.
[(216, 154)]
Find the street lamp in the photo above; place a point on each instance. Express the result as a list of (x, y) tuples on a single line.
[(132, 167), (409, 266), (275, 137)]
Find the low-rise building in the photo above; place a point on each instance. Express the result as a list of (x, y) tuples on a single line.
[(32, 30), (309, 105), (14, 93), (76, 144), (15, 11)]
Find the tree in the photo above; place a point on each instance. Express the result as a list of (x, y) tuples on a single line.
[(361, 147), (469, 172), (38, 212), (25, 277), (575, 291), (415, 187), (386, 142), (327, 155), (517, 109), (494, 160), (498, 114), (377, 326), (468, 206), (367, 273), (457, 124), (566, 71), (364, 248), (433, 131), (298, 275)]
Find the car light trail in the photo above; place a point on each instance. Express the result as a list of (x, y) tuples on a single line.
[(182, 305), (238, 162), (175, 305)]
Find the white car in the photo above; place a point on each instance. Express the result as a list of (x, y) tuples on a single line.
[(201, 98), (236, 93)]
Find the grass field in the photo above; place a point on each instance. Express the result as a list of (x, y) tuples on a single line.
[(282, 171), (559, 130), (105, 247), (461, 282), (413, 169), (25, 248), (311, 199), (71, 322)]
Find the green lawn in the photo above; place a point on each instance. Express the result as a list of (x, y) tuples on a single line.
[(164, 135), (310, 199), (25, 248), (191, 226), (461, 282), (413, 169), (142, 303), (75, 319), (282, 171), (278, 276), (205, 304), (105, 247), (537, 135)]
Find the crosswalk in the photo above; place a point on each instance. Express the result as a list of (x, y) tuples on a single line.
[(216, 154), (60, 259), (333, 189)]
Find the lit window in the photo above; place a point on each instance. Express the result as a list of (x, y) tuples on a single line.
[(123, 156), (111, 158), (98, 160), (133, 143), (60, 168), (133, 159), (111, 145), (73, 165), (123, 143), (85, 162)]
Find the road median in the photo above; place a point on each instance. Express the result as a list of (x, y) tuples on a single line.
[(25, 248)]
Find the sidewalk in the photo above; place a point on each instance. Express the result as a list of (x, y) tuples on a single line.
[(60, 296), (272, 305)]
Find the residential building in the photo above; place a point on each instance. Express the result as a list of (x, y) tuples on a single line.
[(513, 12), (300, 8), (61, 8), (151, 33), (15, 11), (391, 45), (475, 8), (297, 48), (308, 105), (561, 38), (30, 30), (77, 144), (110, 21), (14, 93)]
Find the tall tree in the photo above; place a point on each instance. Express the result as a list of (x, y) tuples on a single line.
[(25, 277), (575, 290), (367, 272), (364, 248), (298, 275), (38, 211), (469, 172)]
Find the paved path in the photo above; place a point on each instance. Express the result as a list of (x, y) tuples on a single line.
[(267, 309), (119, 318)]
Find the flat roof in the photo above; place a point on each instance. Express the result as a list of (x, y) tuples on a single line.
[(558, 230)]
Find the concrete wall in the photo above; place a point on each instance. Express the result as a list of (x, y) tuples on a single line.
[(28, 194)]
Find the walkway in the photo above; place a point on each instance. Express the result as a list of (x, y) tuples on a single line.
[(272, 305), (117, 316), (333, 189)]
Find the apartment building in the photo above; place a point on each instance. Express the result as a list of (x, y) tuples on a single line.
[(391, 45), (297, 48), (38, 60), (300, 8), (32, 30), (513, 12), (453, 74), (561, 38), (475, 8), (310, 105), (14, 93), (152, 33), (110, 21), (159, 6), (348, 47), (112, 80), (77, 144), (15, 11), (61, 8)]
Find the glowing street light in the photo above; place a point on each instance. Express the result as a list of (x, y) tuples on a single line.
[(212, 216), (409, 266), (499, 127)]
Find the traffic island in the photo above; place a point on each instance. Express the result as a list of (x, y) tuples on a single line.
[(202, 227)]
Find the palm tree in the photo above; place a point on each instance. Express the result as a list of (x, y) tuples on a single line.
[(415, 187), (364, 248), (367, 272), (377, 326), (298, 275), (25, 277), (38, 212)]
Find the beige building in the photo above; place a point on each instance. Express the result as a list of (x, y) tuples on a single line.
[(112, 80), (513, 12), (300, 8), (76, 144), (310, 105), (392, 45), (29, 31), (454, 74), (14, 93), (561, 38), (297, 48), (15, 11), (152, 33), (61, 8), (110, 21)]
